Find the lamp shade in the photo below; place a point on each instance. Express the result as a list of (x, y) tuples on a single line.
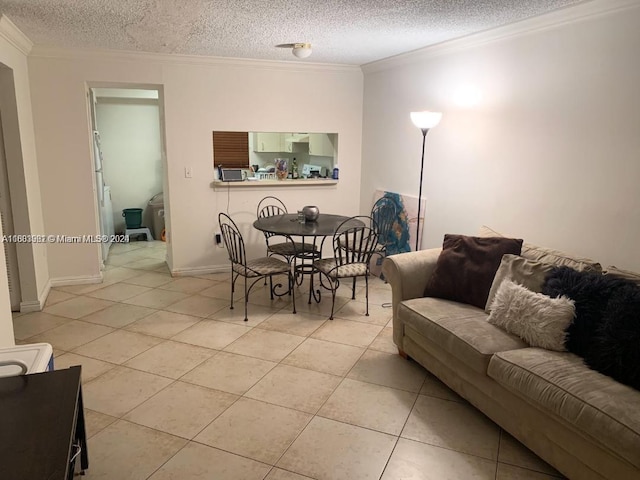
[(302, 50), (426, 119)]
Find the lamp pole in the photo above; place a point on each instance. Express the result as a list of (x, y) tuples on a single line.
[(424, 121), (424, 139)]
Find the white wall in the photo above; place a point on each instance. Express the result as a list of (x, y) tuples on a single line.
[(131, 148), (551, 153), (24, 181), (200, 95)]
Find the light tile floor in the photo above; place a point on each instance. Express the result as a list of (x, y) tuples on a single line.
[(177, 386)]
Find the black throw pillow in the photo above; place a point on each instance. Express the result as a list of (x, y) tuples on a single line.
[(616, 345), (606, 329), (590, 292)]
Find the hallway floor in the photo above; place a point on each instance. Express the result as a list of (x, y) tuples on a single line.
[(177, 386)]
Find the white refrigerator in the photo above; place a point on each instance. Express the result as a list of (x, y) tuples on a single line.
[(105, 208)]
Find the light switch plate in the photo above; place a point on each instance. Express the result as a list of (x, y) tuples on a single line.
[(188, 172)]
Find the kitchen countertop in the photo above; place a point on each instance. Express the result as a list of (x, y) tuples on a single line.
[(217, 184)]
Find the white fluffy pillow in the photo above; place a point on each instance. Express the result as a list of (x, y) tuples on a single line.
[(539, 320)]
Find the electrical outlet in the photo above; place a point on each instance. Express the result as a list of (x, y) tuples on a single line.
[(218, 239)]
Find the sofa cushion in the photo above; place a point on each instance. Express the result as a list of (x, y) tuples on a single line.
[(528, 273), (560, 259), (625, 274), (539, 320), (466, 267), (548, 255), (460, 329), (561, 384)]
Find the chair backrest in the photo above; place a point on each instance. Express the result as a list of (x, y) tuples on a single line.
[(355, 240), (232, 239), (384, 214), (270, 206)]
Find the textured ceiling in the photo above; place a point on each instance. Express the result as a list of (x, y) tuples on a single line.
[(341, 31)]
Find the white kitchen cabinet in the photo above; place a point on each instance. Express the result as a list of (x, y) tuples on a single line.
[(296, 142), (321, 144), (268, 142)]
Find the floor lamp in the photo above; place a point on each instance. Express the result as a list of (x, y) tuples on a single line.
[(424, 121)]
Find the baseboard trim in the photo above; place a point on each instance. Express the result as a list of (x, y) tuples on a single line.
[(36, 305), (194, 271), (80, 280), (31, 306)]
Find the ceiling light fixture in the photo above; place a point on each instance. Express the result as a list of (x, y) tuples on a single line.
[(301, 50)]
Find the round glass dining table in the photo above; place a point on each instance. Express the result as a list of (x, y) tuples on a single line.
[(288, 225)]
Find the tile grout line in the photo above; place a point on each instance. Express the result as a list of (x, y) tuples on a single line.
[(415, 400), (498, 453)]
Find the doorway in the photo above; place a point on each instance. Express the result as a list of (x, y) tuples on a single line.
[(6, 219), (128, 133), (22, 258)]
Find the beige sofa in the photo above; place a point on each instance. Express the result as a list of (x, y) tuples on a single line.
[(583, 423)]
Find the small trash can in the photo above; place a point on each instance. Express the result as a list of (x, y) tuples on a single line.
[(132, 217), (157, 214)]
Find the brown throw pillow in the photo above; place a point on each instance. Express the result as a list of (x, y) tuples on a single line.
[(466, 267)]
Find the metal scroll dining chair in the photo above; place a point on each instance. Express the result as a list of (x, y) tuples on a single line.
[(268, 207), (255, 269), (384, 213), (353, 247), (383, 216)]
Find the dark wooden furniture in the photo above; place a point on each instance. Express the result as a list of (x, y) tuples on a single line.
[(42, 430)]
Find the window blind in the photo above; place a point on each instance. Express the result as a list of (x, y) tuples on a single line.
[(231, 149)]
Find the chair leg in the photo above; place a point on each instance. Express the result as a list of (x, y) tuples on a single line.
[(233, 282), (292, 281), (271, 285), (267, 255), (334, 289), (246, 300), (353, 289), (292, 291), (311, 286), (366, 293)]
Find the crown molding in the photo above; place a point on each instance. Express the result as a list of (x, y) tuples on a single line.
[(40, 51), (572, 14), (14, 35)]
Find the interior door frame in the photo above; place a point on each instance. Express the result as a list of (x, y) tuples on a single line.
[(32, 299), (8, 228), (91, 124)]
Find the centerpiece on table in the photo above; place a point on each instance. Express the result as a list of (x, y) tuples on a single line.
[(311, 213)]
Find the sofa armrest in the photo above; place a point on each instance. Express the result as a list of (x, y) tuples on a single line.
[(408, 274)]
